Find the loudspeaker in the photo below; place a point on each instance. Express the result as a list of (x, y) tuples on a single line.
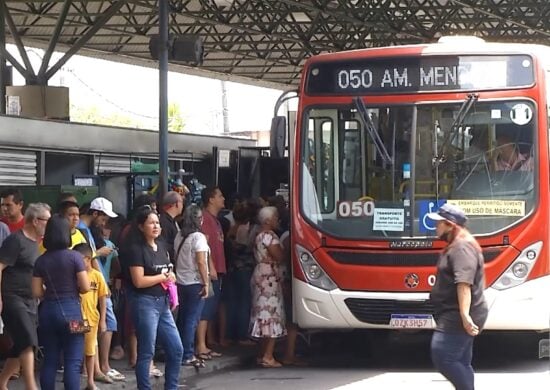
[(154, 47), (182, 48), (188, 48)]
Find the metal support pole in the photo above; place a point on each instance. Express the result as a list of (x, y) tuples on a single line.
[(225, 110), (2, 59), (215, 165), (163, 98)]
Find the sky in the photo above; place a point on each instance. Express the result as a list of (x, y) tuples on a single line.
[(133, 91)]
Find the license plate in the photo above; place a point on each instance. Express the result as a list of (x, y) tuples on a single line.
[(412, 321)]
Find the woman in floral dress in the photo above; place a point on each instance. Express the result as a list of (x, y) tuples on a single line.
[(267, 321)]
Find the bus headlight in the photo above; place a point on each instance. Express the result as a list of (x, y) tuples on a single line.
[(519, 270), (313, 272)]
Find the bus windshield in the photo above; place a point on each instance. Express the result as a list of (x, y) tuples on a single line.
[(375, 172)]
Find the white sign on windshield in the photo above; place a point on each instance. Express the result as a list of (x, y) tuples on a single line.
[(392, 220)]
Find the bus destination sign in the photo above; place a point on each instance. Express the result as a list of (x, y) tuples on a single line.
[(419, 74)]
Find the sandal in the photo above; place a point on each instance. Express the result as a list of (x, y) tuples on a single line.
[(214, 354), (273, 364), (155, 372), (103, 378), (205, 356), (15, 376), (115, 375), (196, 363)]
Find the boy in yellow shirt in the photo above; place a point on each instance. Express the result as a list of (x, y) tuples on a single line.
[(71, 212), (96, 318)]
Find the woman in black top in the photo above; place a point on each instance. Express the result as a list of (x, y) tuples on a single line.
[(460, 309), (63, 273), (150, 269)]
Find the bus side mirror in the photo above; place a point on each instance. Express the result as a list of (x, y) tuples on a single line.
[(277, 137)]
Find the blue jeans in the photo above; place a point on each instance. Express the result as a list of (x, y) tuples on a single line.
[(239, 299), (152, 317), (452, 357), (56, 339), (189, 313)]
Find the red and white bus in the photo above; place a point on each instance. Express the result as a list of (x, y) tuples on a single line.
[(386, 135)]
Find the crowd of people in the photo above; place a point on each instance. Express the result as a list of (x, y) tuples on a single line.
[(84, 285)]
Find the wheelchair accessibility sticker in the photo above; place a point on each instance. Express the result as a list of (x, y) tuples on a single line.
[(425, 207)]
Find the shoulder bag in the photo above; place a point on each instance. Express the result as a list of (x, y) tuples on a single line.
[(74, 326)]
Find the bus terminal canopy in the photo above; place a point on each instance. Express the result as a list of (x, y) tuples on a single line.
[(257, 42)]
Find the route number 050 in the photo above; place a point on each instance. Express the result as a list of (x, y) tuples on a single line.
[(358, 208)]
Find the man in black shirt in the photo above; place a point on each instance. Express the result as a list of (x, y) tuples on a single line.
[(460, 309), (172, 207), (18, 254)]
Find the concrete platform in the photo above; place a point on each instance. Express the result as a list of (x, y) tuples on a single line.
[(233, 357)]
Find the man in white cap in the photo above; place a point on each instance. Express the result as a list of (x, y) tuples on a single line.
[(96, 216), (460, 309)]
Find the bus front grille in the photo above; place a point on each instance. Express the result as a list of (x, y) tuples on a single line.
[(379, 311), (400, 259)]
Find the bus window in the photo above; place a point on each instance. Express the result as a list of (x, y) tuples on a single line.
[(351, 158), (375, 171), (357, 173), (318, 158), (484, 164)]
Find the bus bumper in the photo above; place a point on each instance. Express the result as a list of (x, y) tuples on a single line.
[(314, 308), (524, 307)]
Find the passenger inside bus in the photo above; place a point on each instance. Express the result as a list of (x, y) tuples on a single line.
[(512, 154)]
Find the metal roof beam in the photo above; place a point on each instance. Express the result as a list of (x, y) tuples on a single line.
[(202, 19), (28, 71), (20, 68), (76, 23), (495, 15), (343, 16), (108, 14), (53, 42)]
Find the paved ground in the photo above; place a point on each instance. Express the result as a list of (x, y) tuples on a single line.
[(399, 361), (364, 360)]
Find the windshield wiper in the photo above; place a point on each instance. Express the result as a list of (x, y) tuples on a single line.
[(440, 157), (371, 130)]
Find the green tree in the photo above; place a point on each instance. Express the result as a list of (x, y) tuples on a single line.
[(175, 119), (93, 115)]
